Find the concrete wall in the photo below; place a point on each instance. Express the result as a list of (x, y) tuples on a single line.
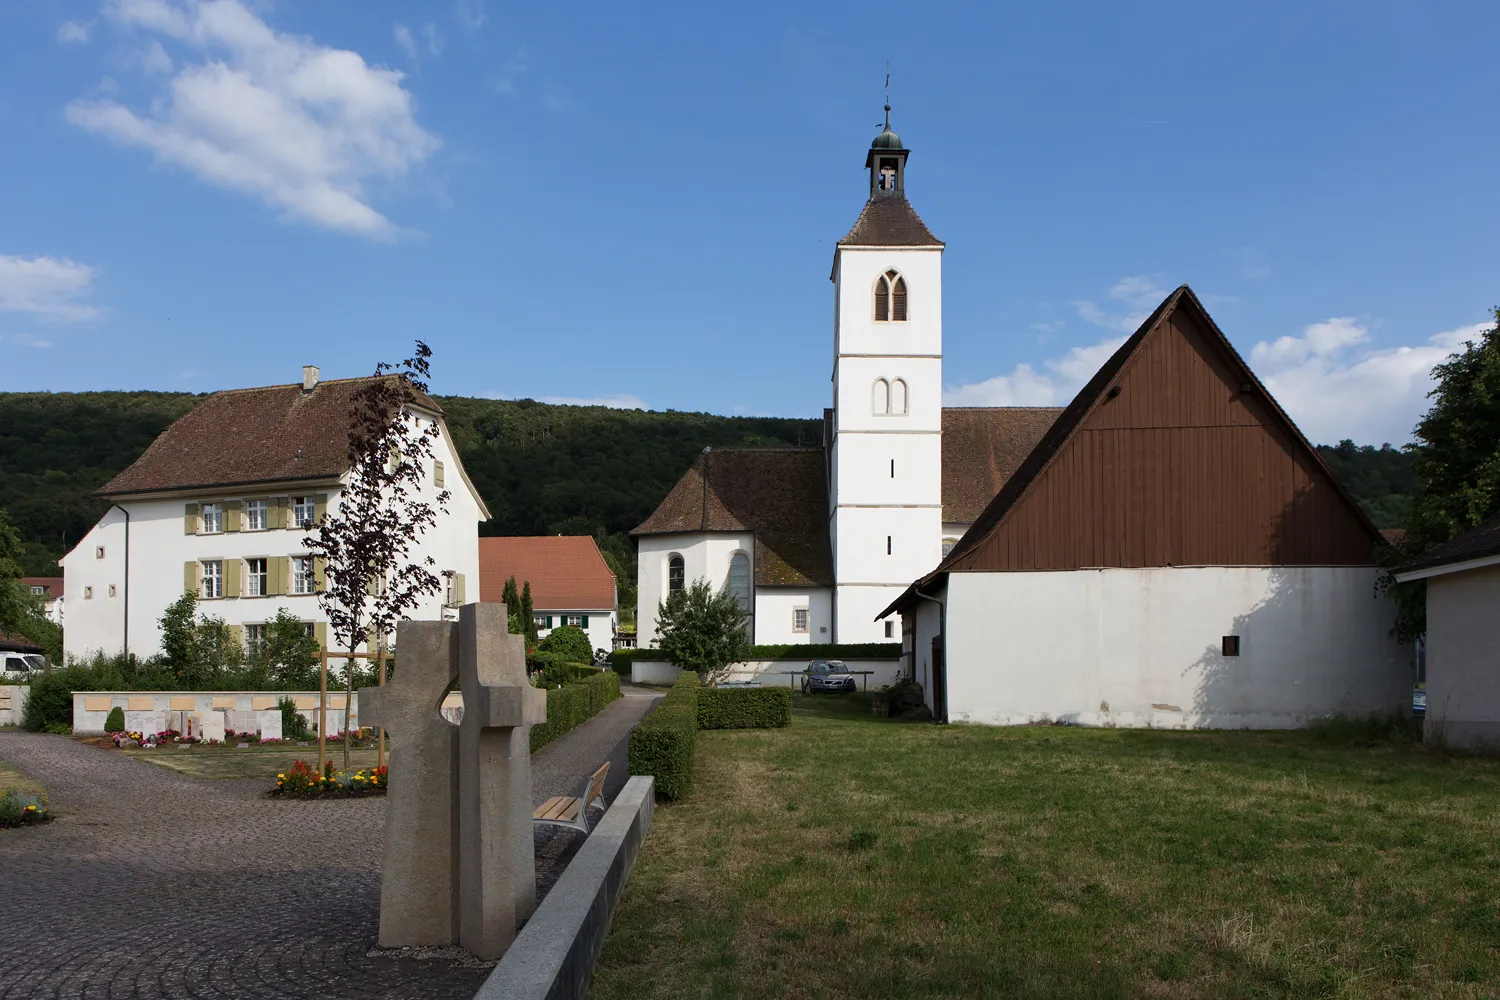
[(92, 708), (1142, 647), (1463, 660), (768, 673), (12, 703), (159, 547)]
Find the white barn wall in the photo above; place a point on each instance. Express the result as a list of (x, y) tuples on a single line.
[(1463, 660), (1141, 647)]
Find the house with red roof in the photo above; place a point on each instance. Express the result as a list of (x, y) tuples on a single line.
[(571, 584)]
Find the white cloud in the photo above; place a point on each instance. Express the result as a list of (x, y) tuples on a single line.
[(154, 59), (1335, 387), (300, 125), (470, 14), (435, 40), (1055, 384), (28, 340), (74, 32), (46, 286), (1139, 296), (620, 401), (404, 39)]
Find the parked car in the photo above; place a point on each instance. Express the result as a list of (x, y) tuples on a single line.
[(827, 675), (20, 666)]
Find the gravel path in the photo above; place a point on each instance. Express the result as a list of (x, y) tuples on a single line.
[(151, 884)]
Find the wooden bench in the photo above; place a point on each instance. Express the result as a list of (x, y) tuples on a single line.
[(573, 811)]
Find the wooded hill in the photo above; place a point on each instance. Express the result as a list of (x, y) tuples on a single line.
[(542, 469)]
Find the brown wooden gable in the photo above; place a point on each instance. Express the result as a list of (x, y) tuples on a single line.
[(1173, 455)]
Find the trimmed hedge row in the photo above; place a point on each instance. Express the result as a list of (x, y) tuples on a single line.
[(575, 703), (661, 745), (620, 659), (744, 708)]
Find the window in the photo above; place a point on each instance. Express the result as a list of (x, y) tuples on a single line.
[(437, 474), (577, 621), (739, 579), (890, 629), (898, 396), (890, 298), (676, 575), (98, 552), (948, 544), (1231, 645), (887, 544), (255, 637), (540, 621), (212, 579), (799, 619), (255, 578), (213, 518), (312, 630), (255, 515), (303, 512), (88, 593), (893, 468), (38, 591), (880, 397), (302, 574), (111, 590)]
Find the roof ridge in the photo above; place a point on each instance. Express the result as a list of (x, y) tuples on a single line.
[(298, 385), (1006, 408)]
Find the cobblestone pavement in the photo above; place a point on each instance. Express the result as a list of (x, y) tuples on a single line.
[(151, 884)]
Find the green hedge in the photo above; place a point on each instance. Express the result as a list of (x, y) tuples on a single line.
[(575, 703), (662, 746), (744, 708), (620, 659)]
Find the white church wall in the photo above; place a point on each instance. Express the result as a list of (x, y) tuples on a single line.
[(857, 403), (859, 333), (855, 610), (775, 616), (867, 475), (705, 555), (863, 555), (1142, 647)]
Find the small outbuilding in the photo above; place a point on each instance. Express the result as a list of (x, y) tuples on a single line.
[(1463, 659), (1172, 553), (571, 584)]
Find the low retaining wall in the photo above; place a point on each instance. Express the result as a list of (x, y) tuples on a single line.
[(554, 955), (12, 703), (770, 673), (171, 709)]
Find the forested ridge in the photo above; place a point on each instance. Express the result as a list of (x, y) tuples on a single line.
[(541, 468)]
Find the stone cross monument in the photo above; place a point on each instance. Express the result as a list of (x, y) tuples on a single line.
[(458, 861)]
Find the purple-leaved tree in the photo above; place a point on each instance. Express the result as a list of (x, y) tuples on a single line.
[(372, 580)]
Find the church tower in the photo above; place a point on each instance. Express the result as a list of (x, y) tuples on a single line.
[(885, 434)]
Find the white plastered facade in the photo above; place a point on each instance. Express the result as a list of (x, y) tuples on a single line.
[(1463, 659), (95, 578)]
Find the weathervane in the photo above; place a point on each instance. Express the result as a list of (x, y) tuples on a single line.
[(887, 95)]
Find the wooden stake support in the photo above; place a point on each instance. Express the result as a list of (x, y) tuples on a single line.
[(382, 657)]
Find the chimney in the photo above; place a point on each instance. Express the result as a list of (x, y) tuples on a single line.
[(309, 377)]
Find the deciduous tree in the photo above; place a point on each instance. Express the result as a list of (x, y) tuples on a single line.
[(702, 630)]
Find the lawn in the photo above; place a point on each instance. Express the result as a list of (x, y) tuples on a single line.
[(11, 778), (849, 856), (263, 763)]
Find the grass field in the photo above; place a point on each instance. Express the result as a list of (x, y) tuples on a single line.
[(849, 856), (252, 762), (11, 778)]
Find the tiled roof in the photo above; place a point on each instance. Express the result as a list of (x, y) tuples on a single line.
[(12, 643), (890, 222), (1477, 543), (566, 572), (982, 448), (780, 494), (251, 436), (53, 584)]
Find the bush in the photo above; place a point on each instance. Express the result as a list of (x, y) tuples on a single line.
[(571, 641), (115, 722), (18, 808), (620, 659), (662, 746), (293, 725), (604, 687), (575, 703), (744, 708), (50, 702), (684, 691)]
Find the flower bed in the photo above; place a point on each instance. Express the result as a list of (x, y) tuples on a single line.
[(302, 781), (18, 808)]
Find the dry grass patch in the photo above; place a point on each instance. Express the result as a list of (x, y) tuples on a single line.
[(12, 778), (850, 857), (262, 764)]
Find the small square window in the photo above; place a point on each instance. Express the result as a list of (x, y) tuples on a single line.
[(111, 590), (99, 552), (1231, 645), (88, 593), (799, 619), (38, 591), (890, 629), (576, 621)]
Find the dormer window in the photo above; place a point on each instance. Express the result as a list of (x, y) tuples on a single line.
[(890, 298)]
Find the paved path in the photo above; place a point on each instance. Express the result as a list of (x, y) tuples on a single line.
[(154, 885)]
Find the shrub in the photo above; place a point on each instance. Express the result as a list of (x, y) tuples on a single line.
[(50, 702), (18, 808), (620, 659), (604, 687), (293, 725), (552, 669), (744, 708), (302, 780), (661, 745), (684, 691), (567, 706), (571, 641), (115, 721)]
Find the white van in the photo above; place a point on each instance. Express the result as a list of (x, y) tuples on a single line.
[(20, 666)]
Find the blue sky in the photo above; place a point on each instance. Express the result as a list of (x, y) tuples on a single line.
[(638, 202)]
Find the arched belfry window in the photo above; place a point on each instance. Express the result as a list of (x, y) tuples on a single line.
[(676, 575), (898, 396), (739, 579), (890, 298), (880, 397)]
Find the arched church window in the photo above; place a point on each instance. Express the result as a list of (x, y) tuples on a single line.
[(880, 400), (739, 579), (676, 575), (898, 397), (890, 298)]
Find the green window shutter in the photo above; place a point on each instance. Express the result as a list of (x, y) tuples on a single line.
[(238, 631), (585, 621), (190, 577), (458, 588), (320, 574), (190, 519), (549, 621), (437, 474), (276, 513), (276, 575), (231, 570), (320, 633), (231, 515), (320, 507)]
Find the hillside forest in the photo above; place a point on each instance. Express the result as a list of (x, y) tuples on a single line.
[(541, 468)]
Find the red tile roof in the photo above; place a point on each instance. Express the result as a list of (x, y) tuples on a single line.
[(566, 572), (53, 584)]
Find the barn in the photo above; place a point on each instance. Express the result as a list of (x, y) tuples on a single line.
[(1172, 553)]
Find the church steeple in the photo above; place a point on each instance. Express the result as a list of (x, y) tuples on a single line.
[(886, 162)]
